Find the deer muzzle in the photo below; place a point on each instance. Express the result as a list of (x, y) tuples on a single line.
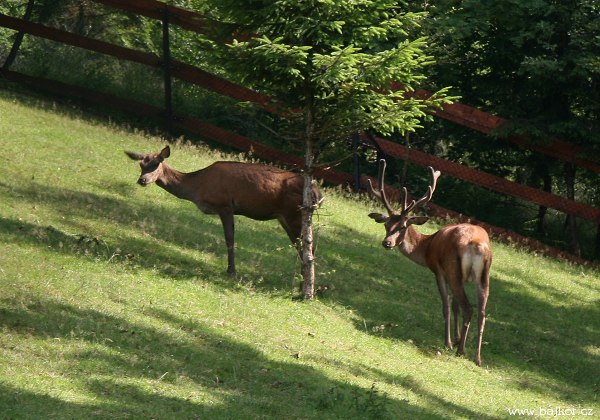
[(387, 244)]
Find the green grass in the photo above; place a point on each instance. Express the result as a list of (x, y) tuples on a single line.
[(114, 302)]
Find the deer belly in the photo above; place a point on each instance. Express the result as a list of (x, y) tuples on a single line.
[(255, 215), (206, 209)]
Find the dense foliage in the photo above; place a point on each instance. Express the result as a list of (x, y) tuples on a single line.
[(339, 59), (536, 63)]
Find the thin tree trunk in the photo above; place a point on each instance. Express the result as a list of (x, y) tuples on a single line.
[(308, 258)]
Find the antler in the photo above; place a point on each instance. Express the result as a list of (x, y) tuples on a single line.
[(380, 194), (425, 199)]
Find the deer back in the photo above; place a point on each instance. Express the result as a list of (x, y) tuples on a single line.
[(257, 191), (457, 246)]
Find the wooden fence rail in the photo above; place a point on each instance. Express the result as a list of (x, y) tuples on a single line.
[(179, 69), (186, 19), (488, 124), (489, 181), (217, 84)]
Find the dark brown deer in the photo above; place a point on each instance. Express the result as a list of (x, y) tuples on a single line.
[(259, 192), (456, 254)]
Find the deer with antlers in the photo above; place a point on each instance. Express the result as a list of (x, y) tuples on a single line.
[(456, 254)]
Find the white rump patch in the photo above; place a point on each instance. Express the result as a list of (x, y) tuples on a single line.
[(472, 263)]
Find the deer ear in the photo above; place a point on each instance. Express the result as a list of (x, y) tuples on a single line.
[(165, 153), (378, 217), (134, 156), (417, 220)]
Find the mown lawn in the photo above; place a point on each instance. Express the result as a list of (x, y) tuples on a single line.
[(114, 302)]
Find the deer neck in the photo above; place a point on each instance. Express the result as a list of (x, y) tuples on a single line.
[(174, 182), (414, 246)]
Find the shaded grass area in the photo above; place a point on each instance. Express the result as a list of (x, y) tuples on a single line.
[(161, 362), (114, 302)]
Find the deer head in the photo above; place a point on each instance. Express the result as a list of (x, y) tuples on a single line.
[(151, 165), (397, 224)]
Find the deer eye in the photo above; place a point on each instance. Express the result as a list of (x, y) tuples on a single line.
[(149, 164), (395, 230), (396, 227)]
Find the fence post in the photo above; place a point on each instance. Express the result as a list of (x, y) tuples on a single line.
[(167, 70)]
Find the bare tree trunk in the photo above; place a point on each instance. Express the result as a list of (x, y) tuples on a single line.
[(308, 258), (571, 222), (308, 208)]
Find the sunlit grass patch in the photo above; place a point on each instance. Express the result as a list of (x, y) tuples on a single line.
[(114, 302)]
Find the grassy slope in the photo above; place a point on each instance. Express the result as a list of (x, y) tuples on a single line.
[(114, 303)]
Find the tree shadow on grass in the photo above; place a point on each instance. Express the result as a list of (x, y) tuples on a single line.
[(551, 334), (392, 296), (134, 370), (433, 400), (556, 342), (186, 229), (129, 251)]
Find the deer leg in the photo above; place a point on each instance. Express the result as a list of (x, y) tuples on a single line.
[(228, 229), (442, 287), (455, 315), (483, 291), (293, 230), (467, 313)]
